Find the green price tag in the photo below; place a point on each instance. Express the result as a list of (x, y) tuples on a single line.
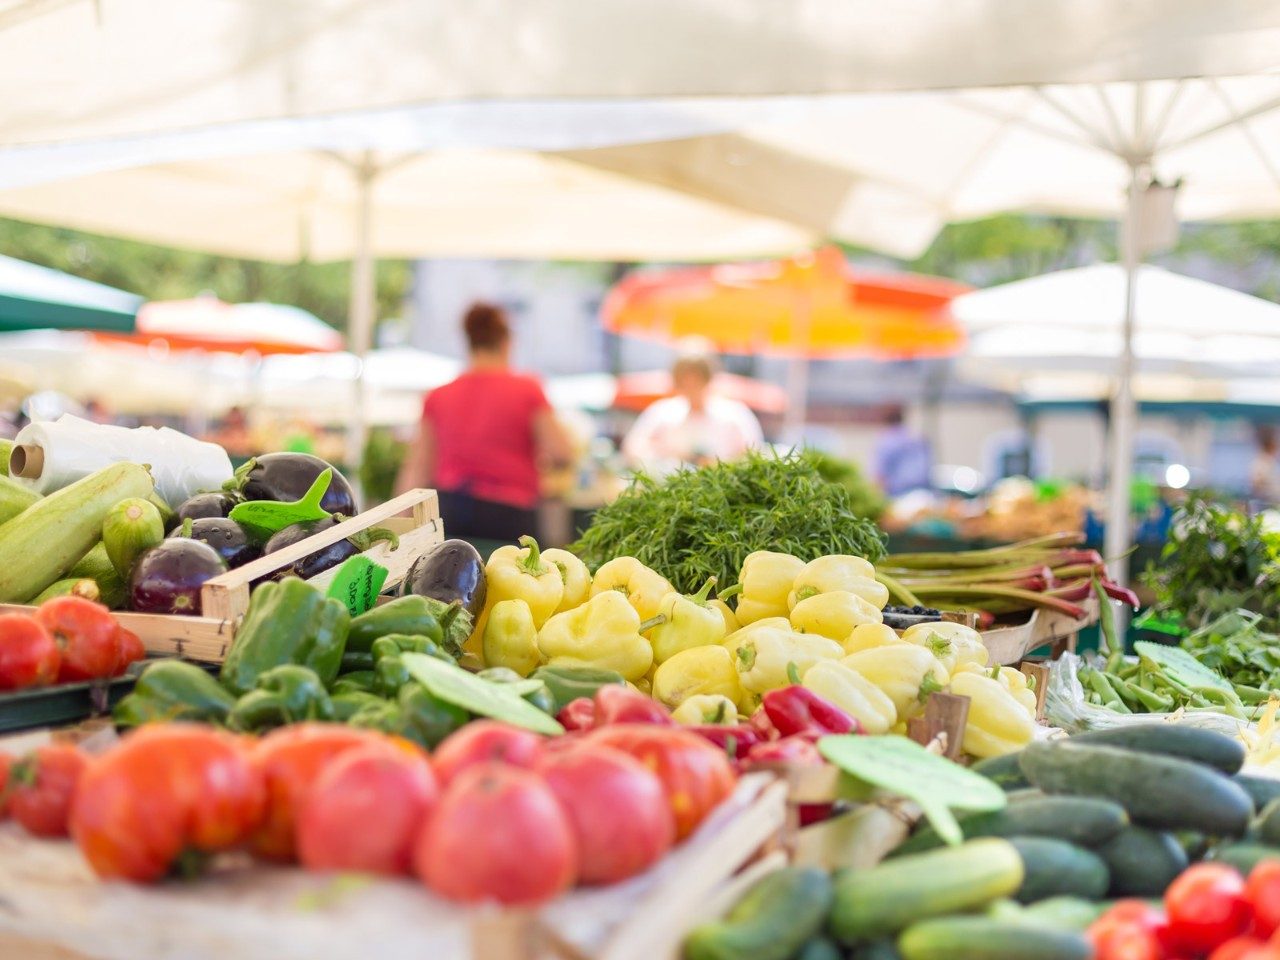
[(266, 517), (498, 701), (903, 767), (1182, 666), (357, 583)]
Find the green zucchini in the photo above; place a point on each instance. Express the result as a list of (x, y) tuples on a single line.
[(885, 949), (1055, 868), (43, 542), (772, 921), (6, 448), (820, 948), (1161, 792), (96, 566), (1261, 790), (1244, 856), (71, 586), (130, 527), (885, 899), (1208, 747), (978, 938), (1266, 829), (1193, 843), (1063, 913), (1142, 862), (1084, 820), (1003, 770), (14, 498)]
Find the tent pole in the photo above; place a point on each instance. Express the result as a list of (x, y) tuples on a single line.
[(362, 307), (1123, 408)]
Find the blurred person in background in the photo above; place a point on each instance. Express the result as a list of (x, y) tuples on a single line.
[(1264, 472), (693, 427), (485, 438), (902, 459)]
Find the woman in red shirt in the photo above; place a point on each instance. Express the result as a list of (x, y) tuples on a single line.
[(484, 437)]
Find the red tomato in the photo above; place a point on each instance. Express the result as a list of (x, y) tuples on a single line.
[(1243, 948), (365, 810), (131, 648), (164, 791), (497, 834), (1207, 906), (42, 786), (29, 656), (616, 807), (86, 634), (615, 703), (1263, 890), (483, 741), (1124, 940), (6, 760), (289, 761), (695, 775)]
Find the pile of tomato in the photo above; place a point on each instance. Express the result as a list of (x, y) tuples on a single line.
[(496, 813), (1211, 911), (68, 639)]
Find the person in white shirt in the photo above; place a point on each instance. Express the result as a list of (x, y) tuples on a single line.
[(693, 427)]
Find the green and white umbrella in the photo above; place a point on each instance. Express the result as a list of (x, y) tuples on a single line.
[(38, 298)]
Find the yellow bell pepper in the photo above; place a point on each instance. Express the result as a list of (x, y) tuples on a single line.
[(576, 577), (838, 572), (736, 639), (773, 657), (906, 672), (691, 673), (510, 638), (998, 724), (521, 574), (604, 632), (731, 624), (834, 615), (704, 708), (687, 621), (643, 588), (766, 579), (1012, 679), (854, 694), (965, 643), (868, 636)]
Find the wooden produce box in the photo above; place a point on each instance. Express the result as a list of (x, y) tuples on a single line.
[(225, 598), (53, 908), (1008, 645)]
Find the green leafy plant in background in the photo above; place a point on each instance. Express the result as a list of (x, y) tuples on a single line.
[(383, 454), (865, 498), (698, 523)]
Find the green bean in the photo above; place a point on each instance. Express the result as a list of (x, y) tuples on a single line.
[(1149, 699)]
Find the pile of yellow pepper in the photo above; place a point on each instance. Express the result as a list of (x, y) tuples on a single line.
[(818, 624)]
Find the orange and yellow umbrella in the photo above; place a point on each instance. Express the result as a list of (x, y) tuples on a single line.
[(814, 306)]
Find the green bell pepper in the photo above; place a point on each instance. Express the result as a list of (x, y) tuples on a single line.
[(285, 694), (346, 705), (173, 690), (567, 684), (532, 689), (288, 622), (358, 681), (389, 672), (415, 715), (412, 615), (354, 661)]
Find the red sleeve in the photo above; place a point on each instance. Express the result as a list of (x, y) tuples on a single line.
[(428, 407), (537, 397)]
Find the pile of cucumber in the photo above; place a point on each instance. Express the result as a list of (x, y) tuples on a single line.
[(1102, 815)]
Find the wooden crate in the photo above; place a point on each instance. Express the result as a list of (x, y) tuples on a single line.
[(1010, 645), (225, 598)]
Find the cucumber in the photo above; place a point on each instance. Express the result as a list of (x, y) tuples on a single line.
[(977, 938), (885, 899), (886, 949), (1084, 820), (96, 566), (820, 948), (1266, 829), (71, 586), (129, 528), (14, 498), (1142, 862), (1161, 792), (42, 543), (1003, 770), (1193, 843), (1261, 790), (1208, 747), (771, 922), (1055, 868), (1244, 856), (1064, 913)]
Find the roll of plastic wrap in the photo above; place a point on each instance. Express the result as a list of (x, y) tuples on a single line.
[(56, 453)]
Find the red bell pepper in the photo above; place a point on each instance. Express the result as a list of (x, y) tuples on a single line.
[(761, 724), (735, 740), (796, 710), (798, 749), (578, 714), (618, 704)]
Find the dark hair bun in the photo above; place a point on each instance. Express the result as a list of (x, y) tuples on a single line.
[(486, 326)]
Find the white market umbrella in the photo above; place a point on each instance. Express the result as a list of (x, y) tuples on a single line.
[(87, 69)]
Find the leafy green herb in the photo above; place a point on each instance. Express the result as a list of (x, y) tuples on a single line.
[(700, 523)]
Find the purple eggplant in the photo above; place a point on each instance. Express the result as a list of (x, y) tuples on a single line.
[(286, 477), (206, 505), (452, 571), (325, 557), (230, 540), (168, 577)]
